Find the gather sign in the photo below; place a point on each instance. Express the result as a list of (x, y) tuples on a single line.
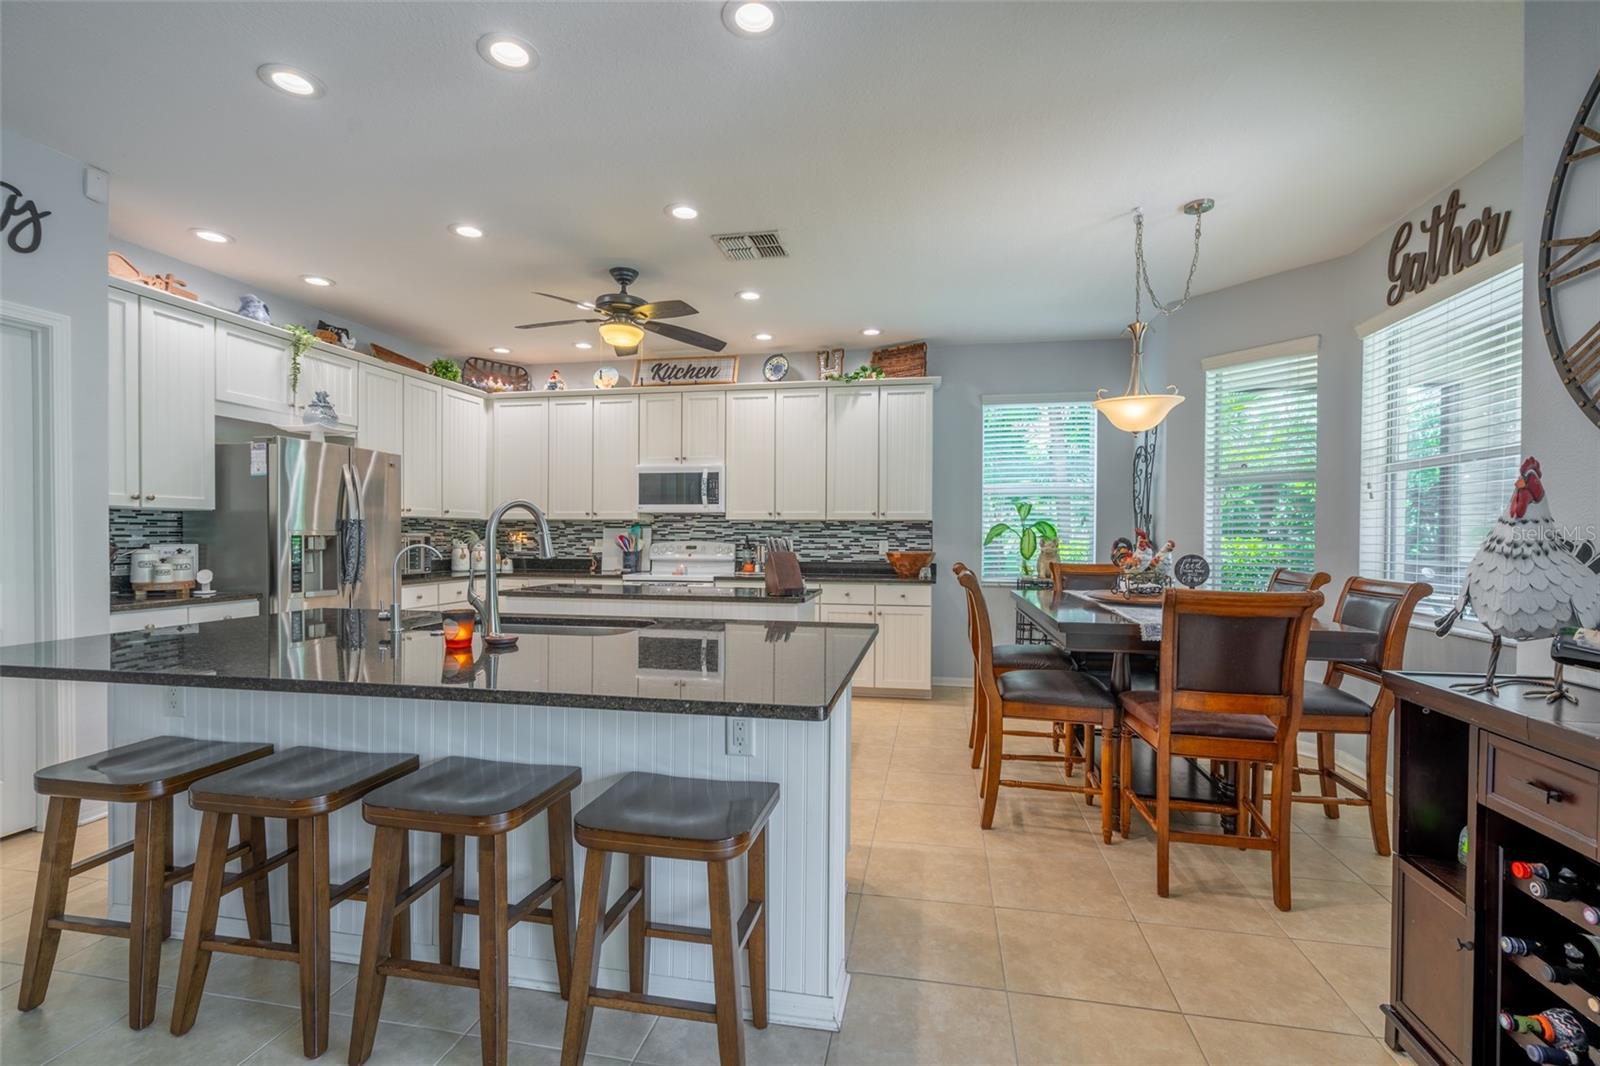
[(1451, 247), (688, 370)]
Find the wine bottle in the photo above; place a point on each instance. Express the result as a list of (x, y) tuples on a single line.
[(1511, 945), (1546, 1053), (1522, 871), (1559, 1027), (1564, 885)]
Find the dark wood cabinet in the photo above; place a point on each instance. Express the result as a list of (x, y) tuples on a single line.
[(1435, 952)]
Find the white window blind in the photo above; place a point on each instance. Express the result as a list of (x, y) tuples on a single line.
[(1041, 454), (1261, 469), (1441, 434)]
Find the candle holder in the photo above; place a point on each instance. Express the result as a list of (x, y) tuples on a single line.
[(458, 629)]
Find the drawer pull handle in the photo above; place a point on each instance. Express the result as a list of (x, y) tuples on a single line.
[(1551, 793), (1463, 945)]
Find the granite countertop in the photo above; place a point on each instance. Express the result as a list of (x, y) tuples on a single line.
[(876, 571), (573, 572), (124, 601), (648, 590), (793, 671)]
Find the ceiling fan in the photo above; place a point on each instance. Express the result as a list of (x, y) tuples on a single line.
[(625, 318)]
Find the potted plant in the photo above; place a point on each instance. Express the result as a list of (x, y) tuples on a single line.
[(445, 368), (1028, 534), (300, 340)]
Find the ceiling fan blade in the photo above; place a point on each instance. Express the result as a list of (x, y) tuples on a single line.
[(562, 322), (665, 309), (687, 336), (564, 299)]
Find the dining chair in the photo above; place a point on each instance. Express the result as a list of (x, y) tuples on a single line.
[(1284, 580), (1231, 689), (1384, 607), (1085, 577), (1041, 696)]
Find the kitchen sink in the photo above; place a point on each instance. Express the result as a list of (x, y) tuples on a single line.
[(570, 627)]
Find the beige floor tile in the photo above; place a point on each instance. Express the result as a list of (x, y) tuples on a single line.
[(265, 980), (1019, 809), (1080, 958), (1352, 823), (10, 974), (927, 823), (918, 731), (1234, 975), (108, 957), (1359, 974), (1338, 911), (1203, 891), (392, 1045), (917, 871), (1356, 853), (227, 1031), (852, 908), (855, 866), (1074, 1031), (539, 1018), (1386, 891), (888, 1022), (77, 1007), (87, 899), (874, 726), (16, 890), (674, 1042), (1064, 874), (1307, 859), (21, 851), (870, 755), (1252, 1044), (447, 1008), (950, 942), (941, 759), (953, 790), (468, 1052), (863, 819)]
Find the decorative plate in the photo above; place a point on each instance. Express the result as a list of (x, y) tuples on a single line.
[(776, 368), (1569, 249), (605, 377)]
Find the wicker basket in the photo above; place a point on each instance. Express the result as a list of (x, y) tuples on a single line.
[(486, 373), (903, 360)]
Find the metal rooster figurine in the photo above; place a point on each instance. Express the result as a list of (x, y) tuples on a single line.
[(1528, 582)]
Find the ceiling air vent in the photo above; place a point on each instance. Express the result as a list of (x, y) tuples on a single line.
[(741, 247)]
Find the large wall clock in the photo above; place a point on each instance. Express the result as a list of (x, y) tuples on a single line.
[(1569, 259)]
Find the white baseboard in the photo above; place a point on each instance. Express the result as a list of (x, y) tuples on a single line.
[(954, 682)]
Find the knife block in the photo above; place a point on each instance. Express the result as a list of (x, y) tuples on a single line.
[(783, 574)]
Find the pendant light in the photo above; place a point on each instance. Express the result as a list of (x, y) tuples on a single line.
[(620, 333), (1138, 411)]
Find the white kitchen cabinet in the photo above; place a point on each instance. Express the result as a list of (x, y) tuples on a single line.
[(161, 617), (572, 457), (421, 464), (464, 490), (852, 450), (177, 408), (122, 384), (681, 427), (800, 456), (252, 369), (334, 374), (520, 451), (904, 647), (866, 675), (750, 471), (704, 418), (905, 453), (218, 612), (616, 457), (382, 404)]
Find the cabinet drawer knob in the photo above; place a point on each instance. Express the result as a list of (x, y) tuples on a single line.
[(1463, 945), (134, 496), (151, 496), (1551, 793)]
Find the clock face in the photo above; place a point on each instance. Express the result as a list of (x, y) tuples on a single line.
[(1569, 259), (776, 368)]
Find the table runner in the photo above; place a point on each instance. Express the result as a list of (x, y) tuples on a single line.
[(1148, 619)]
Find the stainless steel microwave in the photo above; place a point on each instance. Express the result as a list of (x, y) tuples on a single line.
[(673, 489)]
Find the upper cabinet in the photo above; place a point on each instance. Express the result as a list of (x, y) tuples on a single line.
[(463, 452), (176, 407), (704, 418), (252, 368), (800, 455), (381, 400), (572, 440), (681, 427), (750, 470), (520, 451), (616, 457), (905, 453), (420, 464), (122, 384), (853, 452), (335, 375)]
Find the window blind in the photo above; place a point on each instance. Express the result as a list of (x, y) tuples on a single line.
[(1441, 434), (1261, 469), (1043, 454)]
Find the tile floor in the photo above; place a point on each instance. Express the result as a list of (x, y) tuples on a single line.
[(1031, 943)]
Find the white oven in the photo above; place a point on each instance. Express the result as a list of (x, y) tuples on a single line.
[(672, 489)]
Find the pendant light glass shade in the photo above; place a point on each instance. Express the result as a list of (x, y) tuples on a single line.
[(621, 334), (1136, 411)]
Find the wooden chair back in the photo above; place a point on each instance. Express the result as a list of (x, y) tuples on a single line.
[(1385, 607), (1084, 576), (1236, 653), (1284, 580), (982, 635)]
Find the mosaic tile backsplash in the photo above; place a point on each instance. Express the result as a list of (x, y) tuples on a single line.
[(133, 528)]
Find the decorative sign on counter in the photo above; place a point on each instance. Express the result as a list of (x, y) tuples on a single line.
[(1451, 248), (22, 221), (688, 370), (1191, 571)]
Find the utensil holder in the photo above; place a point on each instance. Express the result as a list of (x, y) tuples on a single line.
[(630, 562)]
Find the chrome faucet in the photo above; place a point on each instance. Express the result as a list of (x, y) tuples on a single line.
[(393, 613), (489, 612)]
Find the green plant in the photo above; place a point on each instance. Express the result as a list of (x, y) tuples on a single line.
[(444, 368), (1028, 534), (862, 372), (300, 339)]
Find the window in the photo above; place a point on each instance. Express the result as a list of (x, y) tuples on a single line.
[(1040, 453), (1261, 463), (1441, 434)]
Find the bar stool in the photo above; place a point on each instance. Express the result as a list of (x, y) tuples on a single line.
[(459, 797), (147, 774), (713, 822), (303, 786)]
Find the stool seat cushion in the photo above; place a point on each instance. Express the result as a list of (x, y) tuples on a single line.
[(469, 795), (679, 817), (1143, 710), (1334, 702), (1028, 657), (298, 782), (145, 769)]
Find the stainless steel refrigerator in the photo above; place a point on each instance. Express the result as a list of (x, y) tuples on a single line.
[(306, 524)]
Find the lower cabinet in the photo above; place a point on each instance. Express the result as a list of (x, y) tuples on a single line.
[(901, 659), (161, 617), (867, 672), (1435, 949)]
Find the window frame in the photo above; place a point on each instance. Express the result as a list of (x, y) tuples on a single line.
[(1076, 399)]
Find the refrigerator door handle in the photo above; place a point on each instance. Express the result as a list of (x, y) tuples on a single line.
[(351, 511)]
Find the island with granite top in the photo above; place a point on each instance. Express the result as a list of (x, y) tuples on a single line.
[(698, 697)]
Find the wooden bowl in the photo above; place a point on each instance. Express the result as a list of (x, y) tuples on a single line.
[(908, 564)]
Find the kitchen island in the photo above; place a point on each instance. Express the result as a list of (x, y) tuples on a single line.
[(649, 599), (610, 696)]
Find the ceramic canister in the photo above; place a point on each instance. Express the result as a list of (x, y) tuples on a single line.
[(140, 564), (162, 572), (183, 567)]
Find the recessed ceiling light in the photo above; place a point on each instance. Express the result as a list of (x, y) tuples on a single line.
[(316, 279), (507, 52), (585, 345), (682, 212), (750, 18), (466, 229), (501, 351), (214, 236), (870, 332), (763, 336), (289, 80), (749, 294)]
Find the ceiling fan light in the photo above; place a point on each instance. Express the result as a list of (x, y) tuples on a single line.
[(621, 334), (1137, 412)]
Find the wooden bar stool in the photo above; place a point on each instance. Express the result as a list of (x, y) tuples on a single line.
[(713, 822), (457, 798), (302, 786), (146, 774)]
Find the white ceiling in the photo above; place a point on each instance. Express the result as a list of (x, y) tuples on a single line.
[(953, 171)]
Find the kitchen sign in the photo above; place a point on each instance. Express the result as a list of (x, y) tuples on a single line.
[(1451, 248), (688, 370), (21, 220)]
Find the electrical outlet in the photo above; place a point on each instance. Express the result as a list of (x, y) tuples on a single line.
[(740, 741), (174, 703)]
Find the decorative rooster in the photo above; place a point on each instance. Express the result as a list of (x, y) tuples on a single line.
[(1528, 581)]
